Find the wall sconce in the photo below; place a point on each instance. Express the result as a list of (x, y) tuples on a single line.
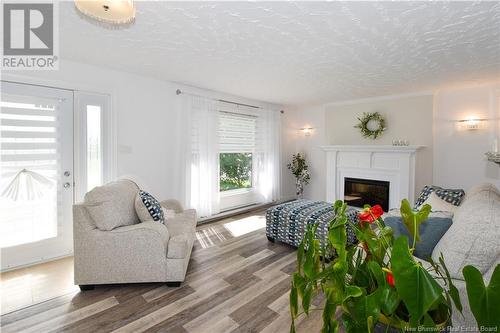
[(306, 131), (472, 124)]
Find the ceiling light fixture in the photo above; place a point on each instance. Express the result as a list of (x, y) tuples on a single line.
[(109, 11)]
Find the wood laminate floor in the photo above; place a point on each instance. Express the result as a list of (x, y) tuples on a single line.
[(237, 281)]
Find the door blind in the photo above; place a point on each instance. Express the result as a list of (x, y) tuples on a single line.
[(29, 165)]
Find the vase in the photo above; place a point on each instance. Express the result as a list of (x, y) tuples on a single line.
[(299, 189)]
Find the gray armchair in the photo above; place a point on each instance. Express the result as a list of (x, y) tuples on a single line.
[(111, 245)]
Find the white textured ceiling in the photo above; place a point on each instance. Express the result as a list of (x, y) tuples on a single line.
[(297, 52)]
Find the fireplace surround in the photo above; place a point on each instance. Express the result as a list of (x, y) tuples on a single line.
[(392, 164)]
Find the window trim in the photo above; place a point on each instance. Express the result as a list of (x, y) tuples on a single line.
[(237, 191)]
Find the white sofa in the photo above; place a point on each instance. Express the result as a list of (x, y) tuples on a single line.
[(473, 239), (111, 245)]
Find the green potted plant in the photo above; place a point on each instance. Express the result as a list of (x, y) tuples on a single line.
[(299, 169), (377, 285)]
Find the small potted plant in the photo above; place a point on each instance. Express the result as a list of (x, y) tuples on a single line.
[(299, 169), (376, 285)]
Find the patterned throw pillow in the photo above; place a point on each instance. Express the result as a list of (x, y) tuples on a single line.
[(153, 206), (451, 196)]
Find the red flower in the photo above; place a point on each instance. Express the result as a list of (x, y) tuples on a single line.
[(390, 279), (371, 214)]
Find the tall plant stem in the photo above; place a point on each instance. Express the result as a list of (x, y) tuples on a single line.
[(414, 232)]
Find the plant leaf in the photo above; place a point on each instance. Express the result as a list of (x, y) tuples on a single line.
[(453, 291), (484, 301), (352, 291), (306, 298), (300, 257), (363, 312), (377, 273), (309, 255), (293, 302), (412, 219), (389, 300), (388, 297), (330, 325), (416, 287)]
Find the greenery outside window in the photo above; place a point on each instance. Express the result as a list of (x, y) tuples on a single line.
[(235, 171)]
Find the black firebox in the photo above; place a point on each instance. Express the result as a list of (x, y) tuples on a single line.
[(360, 192)]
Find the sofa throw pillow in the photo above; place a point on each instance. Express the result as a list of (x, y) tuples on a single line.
[(431, 232), (147, 207), (438, 204), (453, 196)]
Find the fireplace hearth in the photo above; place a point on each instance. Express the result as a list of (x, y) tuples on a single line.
[(359, 192)]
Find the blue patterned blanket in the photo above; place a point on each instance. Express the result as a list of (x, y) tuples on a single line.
[(287, 222)]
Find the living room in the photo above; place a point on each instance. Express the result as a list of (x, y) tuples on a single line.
[(163, 163)]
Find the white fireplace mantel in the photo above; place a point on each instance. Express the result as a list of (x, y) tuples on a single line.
[(395, 164)]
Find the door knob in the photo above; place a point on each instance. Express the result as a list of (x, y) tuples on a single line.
[(66, 185), (67, 173)]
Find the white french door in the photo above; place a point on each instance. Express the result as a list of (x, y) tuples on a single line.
[(36, 173)]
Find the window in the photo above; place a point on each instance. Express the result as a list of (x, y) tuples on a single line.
[(237, 143), (95, 152), (235, 171), (94, 147)]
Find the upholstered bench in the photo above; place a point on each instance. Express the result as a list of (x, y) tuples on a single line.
[(287, 222)]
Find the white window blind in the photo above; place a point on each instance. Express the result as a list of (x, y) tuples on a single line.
[(236, 132), (29, 159)]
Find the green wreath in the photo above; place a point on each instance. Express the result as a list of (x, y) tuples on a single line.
[(363, 125)]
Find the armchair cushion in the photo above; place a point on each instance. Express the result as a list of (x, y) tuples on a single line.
[(112, 205)]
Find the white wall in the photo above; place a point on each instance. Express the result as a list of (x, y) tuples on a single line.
[(147, 115), (407, 117), (459, 159), (295, 119)]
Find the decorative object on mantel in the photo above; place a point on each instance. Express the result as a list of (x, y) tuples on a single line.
[(110, 12), (28, 185), (399, 142), (494, 155), (299, 169), (371, 125)]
